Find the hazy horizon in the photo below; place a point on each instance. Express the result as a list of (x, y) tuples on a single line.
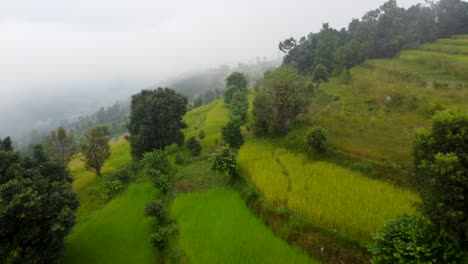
[(65, 58)]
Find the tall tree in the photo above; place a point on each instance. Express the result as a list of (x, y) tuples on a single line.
[(278, 102), (37, 205), (441, 163), (320, 74), (156, 120), (238, 80), (61, 145), (96, 149), (6, 144), (349, 55)]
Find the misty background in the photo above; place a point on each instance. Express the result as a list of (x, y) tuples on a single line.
[(63, 59)]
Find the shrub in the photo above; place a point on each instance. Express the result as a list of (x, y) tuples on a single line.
[(162, 182), (112, 188), (250, 194), (317, 139), (121, 175), (193, 146), (155, 208), (179, 159), (162, 234), (411, 239), (232, 135), (156, 160), (225, 162), (201, 135)]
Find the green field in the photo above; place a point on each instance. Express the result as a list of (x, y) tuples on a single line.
[(85, 183), (118, 233), (375, 114), (216, 227), (322, 192)]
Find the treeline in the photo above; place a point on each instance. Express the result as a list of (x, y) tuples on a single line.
[(380, 33)]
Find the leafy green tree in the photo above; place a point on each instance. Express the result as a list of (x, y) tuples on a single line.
[(161, 236), (96, 149), (441, 162), (327, 43), (194, 146), (231, 134), (156, 120), (229, 93), (238, 80), (61, 145), (37, 205), (158, 168), (155, 208), (349, 55), (239, 107), (278, 102), (320, 74), (225, 162), (6, 144), (412, 239), (317, 139)]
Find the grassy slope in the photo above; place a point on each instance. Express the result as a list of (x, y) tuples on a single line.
[(216, 227), (114, 232), (235, 235), (322, 192), (87, 186), (118, 233), (360, 121)]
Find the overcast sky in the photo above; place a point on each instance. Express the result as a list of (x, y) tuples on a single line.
[(72, 50)]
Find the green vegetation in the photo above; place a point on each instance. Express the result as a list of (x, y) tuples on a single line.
[(37, 206), (95, 149), (215, 226), (322, 192), (118, 233), (61, 145)]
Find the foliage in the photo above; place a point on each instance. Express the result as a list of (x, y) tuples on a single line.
[(161, 236), (198, 102), (238, 80), (61, 145), (160, 181), (96, 149), (380, 33), (239, 107), (278, 102), (441, 165), (37, 207), (155, 208), (156, 120), (112, 187), (202, 134), (156, 160), (320, 74), (225, 162), (229, 93), (317, 139), (194, 146), (411, 239), (179, 159), (6, 144), (231, 134)]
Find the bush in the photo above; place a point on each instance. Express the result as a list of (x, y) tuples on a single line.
[(156, 160), (112, 188), (162, 182), (411, 239), (317, 139), (201, 135), (161, 236), (225, 162), (250, 194), (232, 135), (194, 146), (179, 159), (155, 208), (121, 175)]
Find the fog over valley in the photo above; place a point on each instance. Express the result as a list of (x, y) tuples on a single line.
[(62, 59)]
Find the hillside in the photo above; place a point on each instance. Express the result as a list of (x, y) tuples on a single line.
[(370, 120), (375, 114)]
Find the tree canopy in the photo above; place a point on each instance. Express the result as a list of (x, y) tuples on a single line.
[(96, 149), (61, 145), (37, 207), (238, 80), (156, 120)]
